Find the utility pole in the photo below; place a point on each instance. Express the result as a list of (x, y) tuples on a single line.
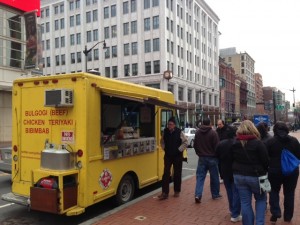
[(293, 90), (274, 107)]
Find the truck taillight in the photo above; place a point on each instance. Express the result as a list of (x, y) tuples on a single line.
[(79, 153), (15, 148)]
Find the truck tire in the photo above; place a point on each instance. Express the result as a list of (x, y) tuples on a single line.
[(125, 190)]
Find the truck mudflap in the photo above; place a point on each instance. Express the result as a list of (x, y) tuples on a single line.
[(21, 200)]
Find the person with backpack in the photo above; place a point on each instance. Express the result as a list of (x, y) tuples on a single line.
[(282, 140)]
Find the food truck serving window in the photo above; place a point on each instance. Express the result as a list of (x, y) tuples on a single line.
[(124, 124)]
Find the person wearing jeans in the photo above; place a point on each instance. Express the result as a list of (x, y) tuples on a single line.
[(250, 161), (225, 166), (205, 142), (275, 145)]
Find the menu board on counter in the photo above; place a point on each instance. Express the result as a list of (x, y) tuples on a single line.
[(129, 147)]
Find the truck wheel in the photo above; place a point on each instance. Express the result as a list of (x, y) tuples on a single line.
[(125, 190)]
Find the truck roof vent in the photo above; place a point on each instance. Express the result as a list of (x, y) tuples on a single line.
[(59, 98)]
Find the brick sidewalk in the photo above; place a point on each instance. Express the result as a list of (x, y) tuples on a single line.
[(183, 210)]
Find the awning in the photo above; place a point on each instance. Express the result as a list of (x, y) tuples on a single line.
[(153, 100)]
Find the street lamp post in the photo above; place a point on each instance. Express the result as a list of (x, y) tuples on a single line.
[(87, 51), (201, 116)]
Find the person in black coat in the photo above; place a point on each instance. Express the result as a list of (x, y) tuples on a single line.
[(223, 151), (222, 130), (275, 146)]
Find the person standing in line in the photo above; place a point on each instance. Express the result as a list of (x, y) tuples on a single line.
[(262, 127), (275, 146), (250, 161), (205, 143), (173, 142), (225, 167), (222, 130)]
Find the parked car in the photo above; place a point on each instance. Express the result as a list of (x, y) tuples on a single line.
[(190, 134), (5, 159)]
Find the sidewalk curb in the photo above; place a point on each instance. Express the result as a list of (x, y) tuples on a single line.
[(119, 208)]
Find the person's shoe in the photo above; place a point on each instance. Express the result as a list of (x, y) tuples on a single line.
[(217, 197), (176, 194), (197, 199), (236, 219), (163, 196)]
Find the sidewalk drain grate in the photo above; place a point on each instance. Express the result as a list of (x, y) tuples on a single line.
[(140, 218)]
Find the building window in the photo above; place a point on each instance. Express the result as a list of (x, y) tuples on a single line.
[(113, 11), (126, 70), (125, 8), (125, 28), (57, 60), (48, 61), (180, 93), (77, 19), (63, 59), (62, 23), (78, 38), (156, 66), (95, 15), (88, 17), (189, 97), (146, 4), (72, 39), (48, 44), (147, 46), (95, 35), (147, 24), (96, 54), (56, 25), (134, 48), (89, 36), (147, 67), (79, 57), (47, 27), (72, 22), (72, 58), (156, 44), (155, 22), (126, 49), (133, 5), (114, 52), (106, 32), (114, 71), (114, 31), (62, 8), (56, 42), (155, 3), (134, 27), (107, 53), (107, 72), (134, 69), (106, 12), (62, 41)]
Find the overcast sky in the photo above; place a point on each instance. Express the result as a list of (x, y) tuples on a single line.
[(269, 31)]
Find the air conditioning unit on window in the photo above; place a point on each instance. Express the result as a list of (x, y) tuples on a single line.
[(59, 98)]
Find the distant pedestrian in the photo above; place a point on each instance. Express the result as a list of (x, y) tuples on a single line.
[(275, 146), (225, 167), (205, 142), (173, 142), (250, 161)]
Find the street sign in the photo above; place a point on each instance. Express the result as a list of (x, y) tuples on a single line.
[(280, 107)]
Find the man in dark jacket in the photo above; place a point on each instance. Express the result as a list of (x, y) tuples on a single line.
[(206, 140), (222, 130), (275, 145), (173, 142)]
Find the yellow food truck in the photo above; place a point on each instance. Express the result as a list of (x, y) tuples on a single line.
[(80, 138)]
